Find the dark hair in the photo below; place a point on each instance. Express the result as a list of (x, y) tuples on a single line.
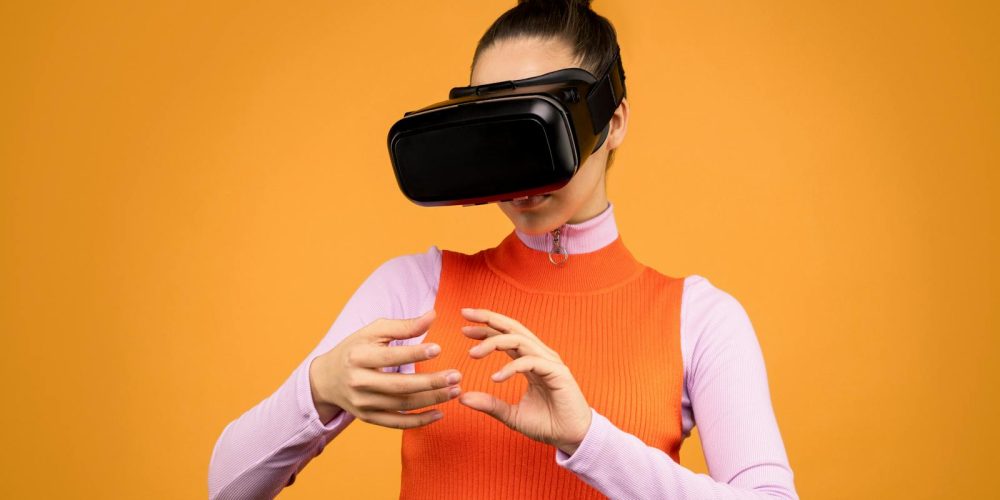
[(591, 37)]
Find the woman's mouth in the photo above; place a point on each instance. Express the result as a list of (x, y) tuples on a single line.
[(528, 202)]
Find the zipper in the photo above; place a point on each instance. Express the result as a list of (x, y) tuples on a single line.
[(558, 255)]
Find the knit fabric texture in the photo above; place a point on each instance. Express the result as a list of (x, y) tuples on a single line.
[(614, 322)]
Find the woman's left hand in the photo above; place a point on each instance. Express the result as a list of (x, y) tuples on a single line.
[(553, 410)]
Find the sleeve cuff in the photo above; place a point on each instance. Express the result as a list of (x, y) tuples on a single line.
[(591, 446), (307, 407)]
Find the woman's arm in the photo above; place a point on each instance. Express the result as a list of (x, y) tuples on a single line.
[(729, 392), (263, 450)]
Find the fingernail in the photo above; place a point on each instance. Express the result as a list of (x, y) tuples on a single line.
[(453, 378), (454, 391), (433, 350), (466, 310), (437, 415)]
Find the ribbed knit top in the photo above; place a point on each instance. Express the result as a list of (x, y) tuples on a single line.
[(615, 324)]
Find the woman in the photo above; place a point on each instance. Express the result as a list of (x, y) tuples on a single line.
[(615, 359)]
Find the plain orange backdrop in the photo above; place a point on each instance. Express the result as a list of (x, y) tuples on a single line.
[(190, 191)]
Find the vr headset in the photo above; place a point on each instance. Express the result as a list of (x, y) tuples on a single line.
[(505, 140)]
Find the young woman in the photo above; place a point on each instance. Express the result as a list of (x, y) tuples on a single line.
[(605, 364)]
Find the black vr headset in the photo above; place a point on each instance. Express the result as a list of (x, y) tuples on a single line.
[(505, 140)]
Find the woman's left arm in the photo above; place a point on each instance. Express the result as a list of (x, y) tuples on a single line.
[(729, 392)]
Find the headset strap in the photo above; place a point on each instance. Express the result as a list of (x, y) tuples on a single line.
[(606, 93)]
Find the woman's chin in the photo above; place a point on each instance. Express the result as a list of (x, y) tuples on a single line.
[(532, 222)]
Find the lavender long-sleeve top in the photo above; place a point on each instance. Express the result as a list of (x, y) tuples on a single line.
[(725, 394)]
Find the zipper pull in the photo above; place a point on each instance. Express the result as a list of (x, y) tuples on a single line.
[(558, 249)]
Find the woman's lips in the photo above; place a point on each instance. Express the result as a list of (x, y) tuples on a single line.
[(529, 201)]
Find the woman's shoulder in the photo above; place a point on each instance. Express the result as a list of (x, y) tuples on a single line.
[(696, 286), (713, 319), (419, 270), (418, 265), (701, 299), (702, 294)]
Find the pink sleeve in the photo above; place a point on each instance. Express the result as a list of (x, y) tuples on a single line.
[(729, 394), (263, 450)]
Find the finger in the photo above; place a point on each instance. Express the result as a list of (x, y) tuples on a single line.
[(370, 401), (515, 344), (483, 331), (497, 321), (397, 420), (403, 383), (531, 343), (386, 330), (381, 355), (544, 368), (490, 405), (479, 332)]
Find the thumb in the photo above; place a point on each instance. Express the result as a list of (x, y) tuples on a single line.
[(393, 329)]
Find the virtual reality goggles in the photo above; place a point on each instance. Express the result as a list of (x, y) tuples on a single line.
[(505, 140)]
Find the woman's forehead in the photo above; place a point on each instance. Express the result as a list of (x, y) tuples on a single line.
[(521, 58)]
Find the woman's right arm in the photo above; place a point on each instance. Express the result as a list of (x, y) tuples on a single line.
[(263, 450)]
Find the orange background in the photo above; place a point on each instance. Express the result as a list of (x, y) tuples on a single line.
[(190, 191)]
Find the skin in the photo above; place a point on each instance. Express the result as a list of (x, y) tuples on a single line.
[(553, 409)]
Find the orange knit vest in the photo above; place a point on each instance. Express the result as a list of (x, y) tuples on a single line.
[(614, 322)]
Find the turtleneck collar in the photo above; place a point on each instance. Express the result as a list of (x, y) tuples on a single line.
[(596, 258), (582, 237)]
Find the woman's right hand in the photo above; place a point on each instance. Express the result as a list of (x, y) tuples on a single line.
[(350, 376)]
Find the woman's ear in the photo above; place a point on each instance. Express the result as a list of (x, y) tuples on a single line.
[(619, 125)]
